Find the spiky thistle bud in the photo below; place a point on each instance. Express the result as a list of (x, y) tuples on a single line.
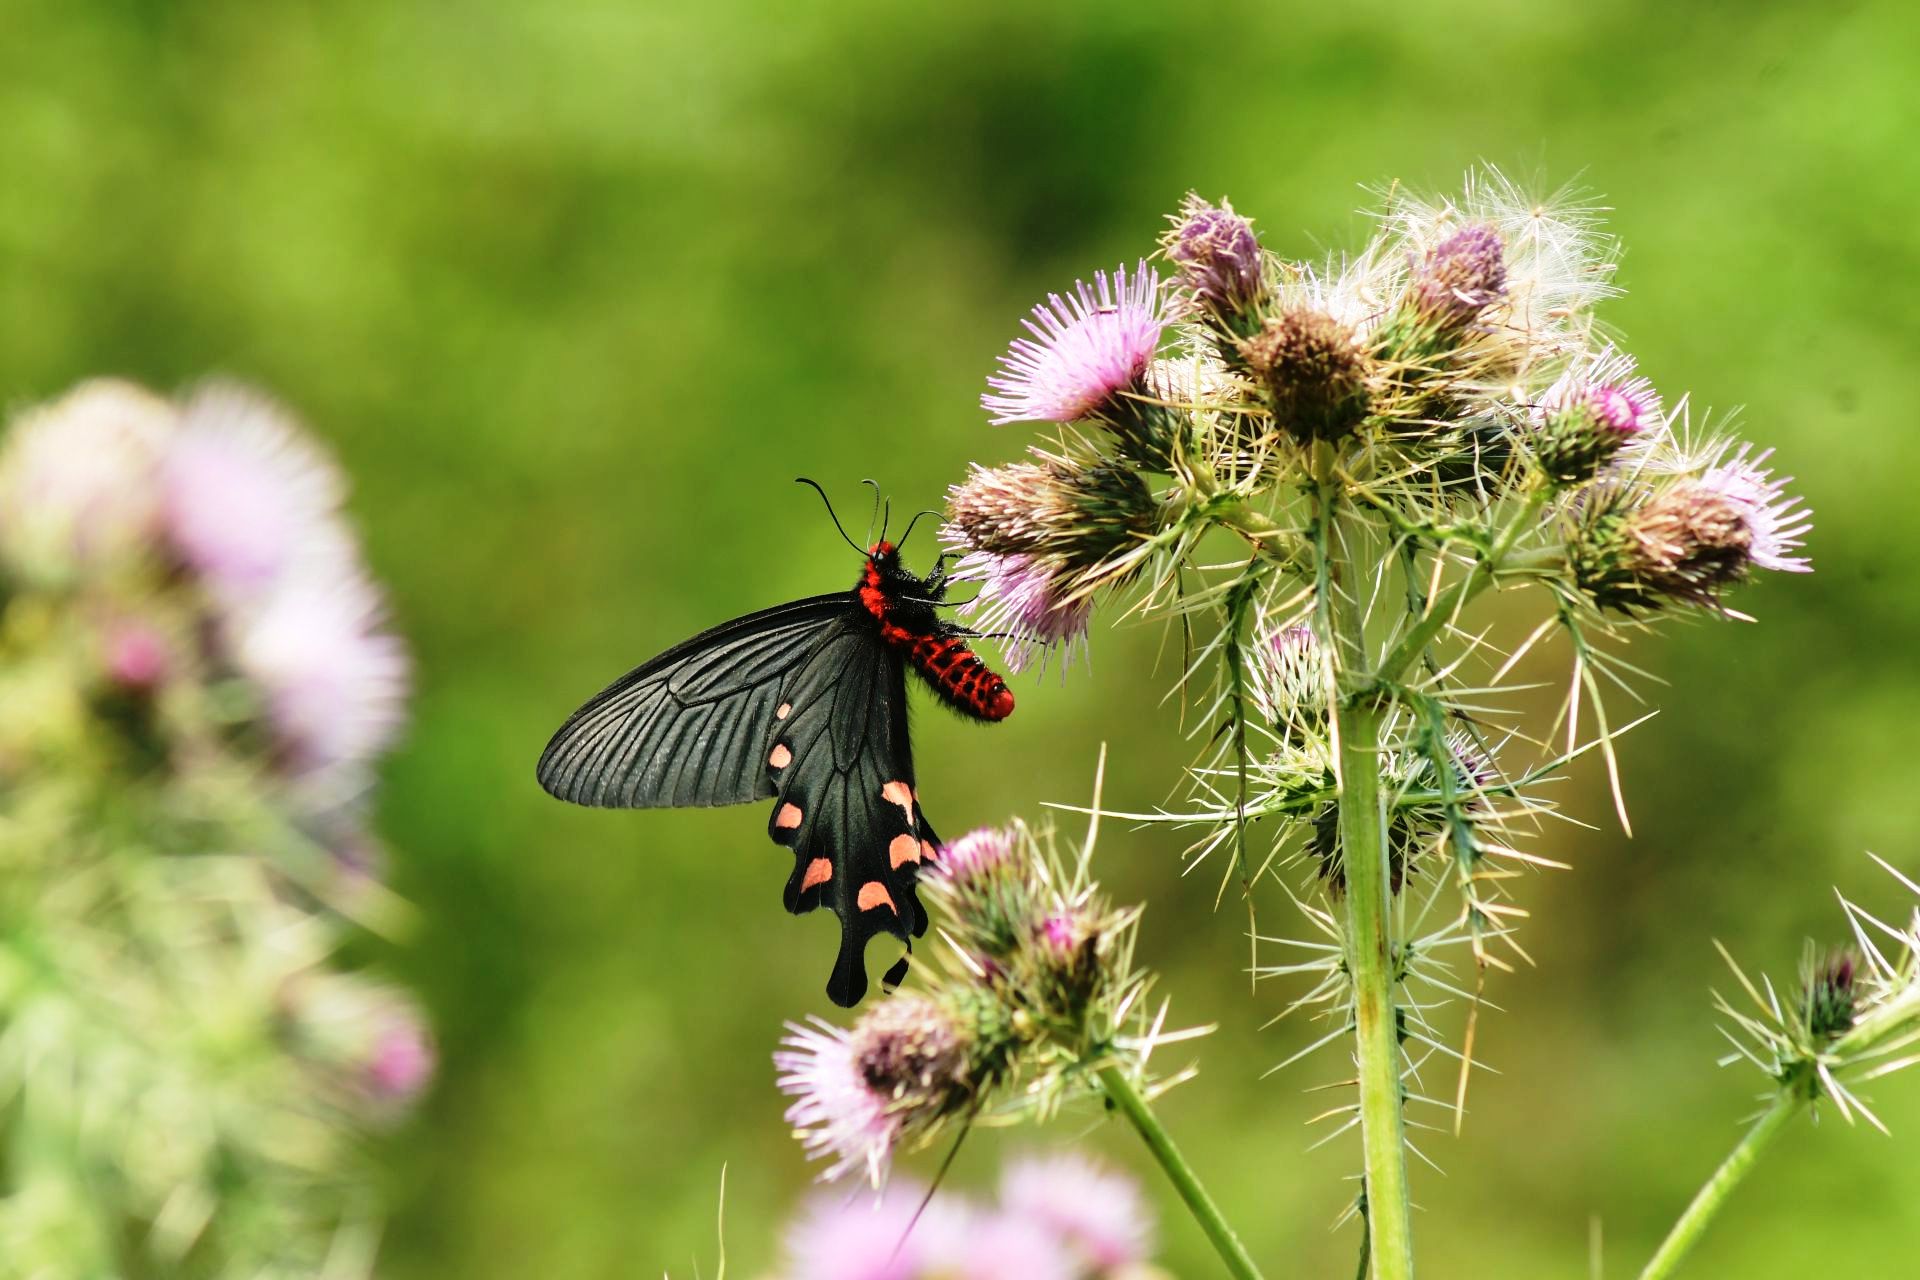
[(1587, 426), (1065, 948), (1290, 678), (1313, 370), (1413, 829), (980, 884), (1827, 995), (1457, 280), (1219, 258)]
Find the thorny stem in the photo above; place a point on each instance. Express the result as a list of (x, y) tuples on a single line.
[(1205, 1212), (1732, 1171), (1369, 949)]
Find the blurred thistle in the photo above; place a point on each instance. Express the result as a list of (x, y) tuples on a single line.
[(1058, 1217), (193, 684), (1037, 996)]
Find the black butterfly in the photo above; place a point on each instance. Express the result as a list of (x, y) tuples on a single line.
[(806, 703)]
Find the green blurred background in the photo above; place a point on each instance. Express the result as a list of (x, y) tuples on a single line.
[(576, 288)]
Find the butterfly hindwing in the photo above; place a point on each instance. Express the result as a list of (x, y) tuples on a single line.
[(690, 727), (845, 804)]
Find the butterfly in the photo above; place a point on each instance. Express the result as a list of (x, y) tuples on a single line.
[(806, 704)]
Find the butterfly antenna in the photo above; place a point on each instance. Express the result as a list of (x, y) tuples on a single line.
[(875, 513), (886, 518), (940, 1176), (815, 486), (929, 511)]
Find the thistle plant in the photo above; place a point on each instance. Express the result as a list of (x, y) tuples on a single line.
[(1314, 471), (195, 680)]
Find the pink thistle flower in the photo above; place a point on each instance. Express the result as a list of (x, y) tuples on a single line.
[(876, 1237), (1024, 597), (245, 494), (333, 682), (1013, 1246), (1777, 522), (1084, 350), (979, 855), (1099, 1213), (836, 1114), (1462, 276)]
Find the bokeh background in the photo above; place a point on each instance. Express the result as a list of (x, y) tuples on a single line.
[(577, 288)]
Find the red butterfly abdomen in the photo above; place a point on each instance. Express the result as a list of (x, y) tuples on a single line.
[(955, 672)]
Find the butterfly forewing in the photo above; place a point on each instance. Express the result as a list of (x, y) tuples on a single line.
[(689, 727)]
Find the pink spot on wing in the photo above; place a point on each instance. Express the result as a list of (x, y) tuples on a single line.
[(874, 894), (903, 849), (788, 817), (781, 757), (819, 871), (784, 710), (901, 794)]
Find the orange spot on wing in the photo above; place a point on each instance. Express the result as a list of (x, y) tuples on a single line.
[(781, 757), (784, 710), (819, 871), (903, 849), (874, 894), (901, 794), (788, 817), (927, 850)]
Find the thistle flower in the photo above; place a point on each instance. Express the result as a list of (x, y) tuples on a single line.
[(1313, 370), (908, 1063), (1087, 514), (1085, 350), (76, 480), (403, 1060), (1218, 255), (136, 656), (1461, 277), (245, 494), (1101, 1214), (1690, 539), (1006, 1246), (334, 682), (1030, 600)]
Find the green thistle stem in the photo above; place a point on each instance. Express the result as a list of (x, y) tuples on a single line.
[(1369, 945), (1732, 1171), (1205, 1212)]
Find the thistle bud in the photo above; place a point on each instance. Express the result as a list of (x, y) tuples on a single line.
[(1289, 678), (983, 886), (1584, 429), (136, 657), (1827, 996), (1314, 372), (1065, 949), (1461, 277), (1219, 257)]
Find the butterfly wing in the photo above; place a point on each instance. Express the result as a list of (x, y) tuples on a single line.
[(846, 804), (691, 726)]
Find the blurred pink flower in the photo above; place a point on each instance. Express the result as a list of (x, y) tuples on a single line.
[(875, 1237), (247, 496), (77, 478), (334, 682), (1099, 1212), (404, 1060)]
